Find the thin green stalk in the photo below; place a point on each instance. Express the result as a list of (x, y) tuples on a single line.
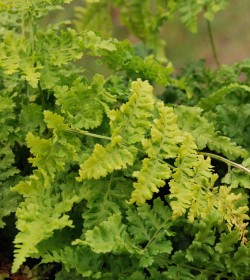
[(23, 25), (41, 94), (31, 31), (86, 133), (211, 39), (227, 161)]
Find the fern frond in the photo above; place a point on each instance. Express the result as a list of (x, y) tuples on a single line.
[(150, 178), (193, 192), (39, 215), (7, 169), (190, 11), (109, 236), (51, 155), (224, 145), (6, 118), (217, 97), (95, 45), (84, 104), (9, 201), (131, 120), (34, 183), (31, 120), (95, 16), (104, 198), (128, 126), (79, 258), (190, 120), (235, 216), (54, 121), (237, 177), (47, 156), (191, 179), (125, 59), (105, 160), (165, 135), (150, 229), (163, 144)]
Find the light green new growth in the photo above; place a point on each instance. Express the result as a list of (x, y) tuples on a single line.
[(128, 126), (193, 192), (191, 181), (163, 144)]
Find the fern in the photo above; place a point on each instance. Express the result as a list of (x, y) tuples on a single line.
[(8, 171), (190, 120), (150, 229), (231, 123), (125, 59), (235, 178), (31, 120), (80, 258), (9, 201), (147, 202), (106, 160), (103, 200), (128, 125), (47, 216), (94, 16), (54, 155), (51, 210), (109, 236), (165, 137), (80, 101), (37, 5), (200, 197), (190, 11), (234, 215), (188, 186), (218, 96)]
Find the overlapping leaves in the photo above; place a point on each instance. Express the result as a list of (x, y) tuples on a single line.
[(128, 125)]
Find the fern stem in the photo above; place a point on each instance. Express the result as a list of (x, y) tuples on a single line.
[(31, 31), (42, 95), (86, 133), (153, 237), (227, 161), (23, 25), (211, 39)]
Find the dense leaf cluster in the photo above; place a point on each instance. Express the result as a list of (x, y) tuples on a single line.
[(103, 177)]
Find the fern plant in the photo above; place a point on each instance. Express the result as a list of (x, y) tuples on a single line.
[(99, 177)]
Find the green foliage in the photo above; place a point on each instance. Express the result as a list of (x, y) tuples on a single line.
[(190, 10), (128, 125), (204, 133), (165, 136), (80, 112), (100, 176)]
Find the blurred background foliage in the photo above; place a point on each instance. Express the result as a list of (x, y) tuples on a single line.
[(230, 30)]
